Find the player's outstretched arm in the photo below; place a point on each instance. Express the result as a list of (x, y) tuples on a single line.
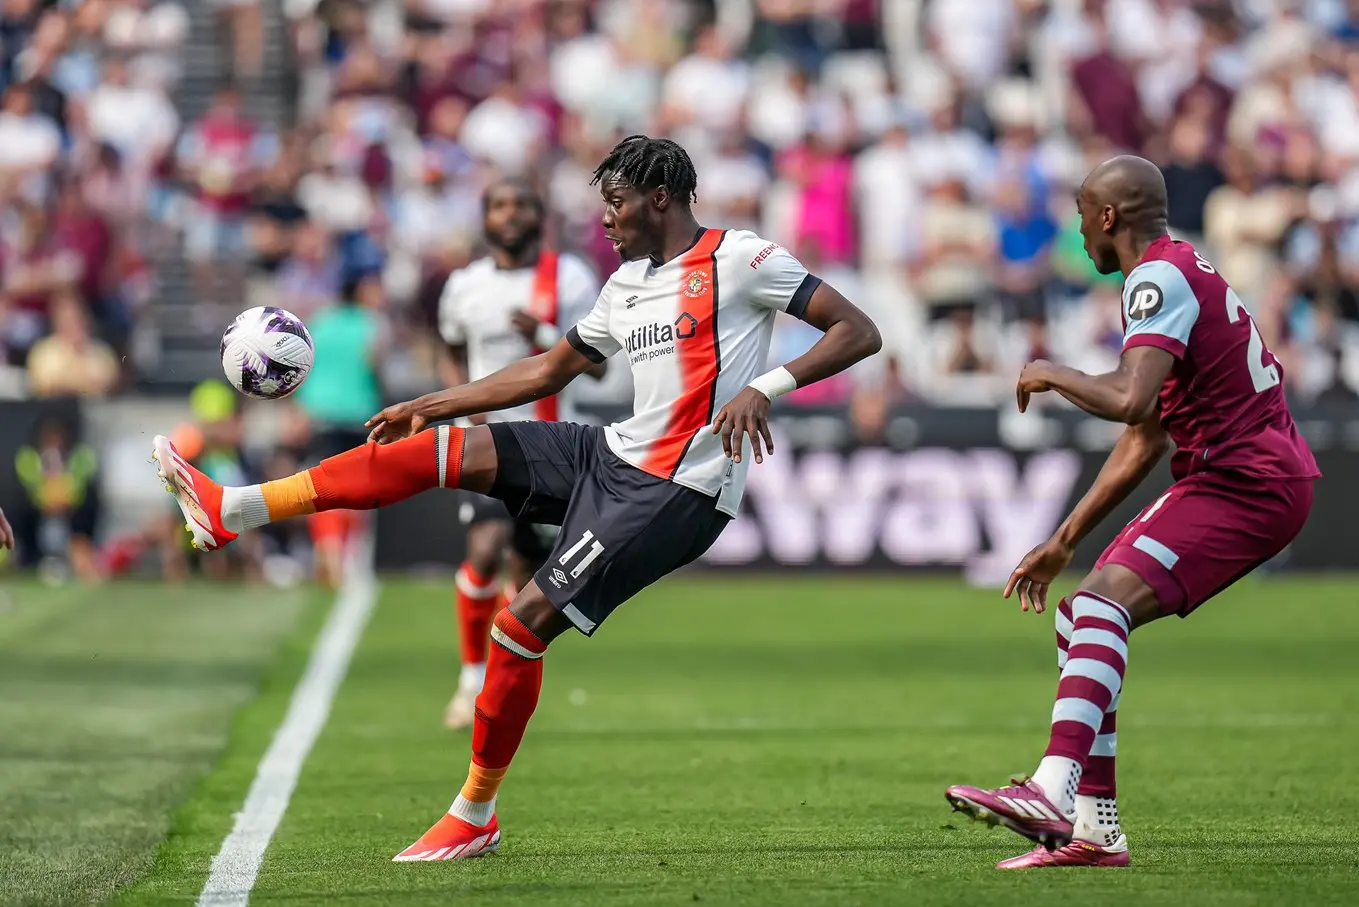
[(1128, 394), (848, 336), (1138, 449), (518, 383)]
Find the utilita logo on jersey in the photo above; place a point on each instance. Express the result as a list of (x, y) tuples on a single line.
[(651, 341)]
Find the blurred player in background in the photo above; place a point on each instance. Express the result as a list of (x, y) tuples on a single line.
[(6, 533), (56, 521), (341, 392), (1194, 371), (694, 309), (512, 304)]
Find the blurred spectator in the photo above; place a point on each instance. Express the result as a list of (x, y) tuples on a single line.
[(957, 246), (135, 117), (29, 144), (219, 156), (310, 277), (341, 394), (1191, 176), (55, 524), (71, 360), (1106, 97), (821, 172)]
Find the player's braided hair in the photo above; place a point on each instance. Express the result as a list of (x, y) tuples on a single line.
[(649, 163)]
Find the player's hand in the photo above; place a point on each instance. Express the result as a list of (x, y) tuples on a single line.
[(6, 533), (746, 414), (524, 323), (395, 422), (1039, 568), (1034, 378)]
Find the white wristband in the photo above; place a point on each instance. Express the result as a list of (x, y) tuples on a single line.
[(775, 382), (546, 335)]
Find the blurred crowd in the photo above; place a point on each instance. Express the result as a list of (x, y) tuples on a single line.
[(920, 154)]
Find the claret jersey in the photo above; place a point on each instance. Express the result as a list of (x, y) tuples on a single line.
[(1223, 403), (696, 331)]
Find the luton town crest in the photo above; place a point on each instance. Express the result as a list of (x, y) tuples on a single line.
[(695, 283)]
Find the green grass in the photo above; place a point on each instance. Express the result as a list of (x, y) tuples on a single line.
[(771, 741), (111, 703)]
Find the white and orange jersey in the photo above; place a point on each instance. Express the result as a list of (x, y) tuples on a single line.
[(475, 309), (696, 331)]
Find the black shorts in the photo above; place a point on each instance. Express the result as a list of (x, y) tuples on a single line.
[(622, 529), (531, 541)]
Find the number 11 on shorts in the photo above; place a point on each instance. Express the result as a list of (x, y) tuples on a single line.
[(596, 549)]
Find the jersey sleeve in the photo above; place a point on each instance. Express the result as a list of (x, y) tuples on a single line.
[(591, 336), (452, 324), (776, 280), (1159, 308)]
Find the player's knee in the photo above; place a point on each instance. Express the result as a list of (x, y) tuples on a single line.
[(538, 614), (479, 460), (1117, 583)]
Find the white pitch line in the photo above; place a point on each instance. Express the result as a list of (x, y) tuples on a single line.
[(237, 864)]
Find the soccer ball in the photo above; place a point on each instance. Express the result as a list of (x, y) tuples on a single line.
[(267, 352)]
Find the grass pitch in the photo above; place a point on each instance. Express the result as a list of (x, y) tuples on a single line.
[(724, 741)]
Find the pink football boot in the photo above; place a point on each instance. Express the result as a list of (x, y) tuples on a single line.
[(1023, 808), (1077, 853)]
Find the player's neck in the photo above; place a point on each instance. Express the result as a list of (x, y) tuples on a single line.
[(679, 238), (513, 261), (1133, 251)]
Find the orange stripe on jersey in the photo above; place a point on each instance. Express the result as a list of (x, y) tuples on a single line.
[(543, 306), (699, 357)]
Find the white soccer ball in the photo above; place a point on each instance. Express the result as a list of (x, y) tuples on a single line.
[(267, 352)]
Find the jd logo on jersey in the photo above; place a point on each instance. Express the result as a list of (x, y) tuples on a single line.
[(1144, 301), (652, 340)]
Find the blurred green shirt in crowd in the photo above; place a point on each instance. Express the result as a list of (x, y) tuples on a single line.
[(342, 389)]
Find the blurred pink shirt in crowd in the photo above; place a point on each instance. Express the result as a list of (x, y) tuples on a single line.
[(824, 218)]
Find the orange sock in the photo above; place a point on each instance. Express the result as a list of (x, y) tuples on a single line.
[(371, 475), (290, 497), (482, 783)]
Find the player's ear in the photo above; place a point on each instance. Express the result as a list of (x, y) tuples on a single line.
[(1108, 216), (660, 198)]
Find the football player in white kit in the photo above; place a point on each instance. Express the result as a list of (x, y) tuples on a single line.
[(694, 310), (511, 304)]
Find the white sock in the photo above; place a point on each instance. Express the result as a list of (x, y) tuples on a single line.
[(244, 508), (1059, 777), (472, 813), (472, 677), (1097, 819)]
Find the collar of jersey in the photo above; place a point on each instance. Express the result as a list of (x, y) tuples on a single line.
[(660, 264)]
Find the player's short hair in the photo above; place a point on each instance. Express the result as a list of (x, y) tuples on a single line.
[(649, 163)]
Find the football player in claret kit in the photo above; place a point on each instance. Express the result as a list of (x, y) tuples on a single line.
[(693, 309), (511, 304), (1195, 371)]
